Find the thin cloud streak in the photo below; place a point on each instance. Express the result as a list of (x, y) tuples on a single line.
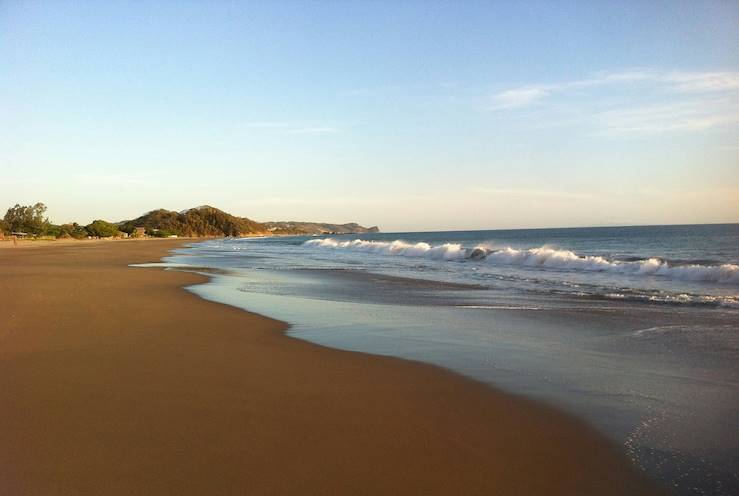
[(672, 101), (704, 82), (676, 81), (697, 115), (520, 97)]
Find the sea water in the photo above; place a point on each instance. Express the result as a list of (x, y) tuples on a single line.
[(633, 329)]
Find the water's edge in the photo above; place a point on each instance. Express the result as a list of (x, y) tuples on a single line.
[(655, 380), (288, 331)]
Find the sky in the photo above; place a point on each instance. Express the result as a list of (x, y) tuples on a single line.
[(413, 116)]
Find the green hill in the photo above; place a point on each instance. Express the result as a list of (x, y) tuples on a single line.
[(199, 221), (210, 221)]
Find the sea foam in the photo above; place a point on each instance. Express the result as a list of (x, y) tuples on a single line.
[(446, 251), (544, 257)]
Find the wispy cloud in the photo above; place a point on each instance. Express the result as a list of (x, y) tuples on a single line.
[(677, 116), (703, 81), (666, 101), (523, 96), (519, 97), (676, 81)]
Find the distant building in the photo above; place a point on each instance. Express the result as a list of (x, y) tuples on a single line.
[(139, 232)]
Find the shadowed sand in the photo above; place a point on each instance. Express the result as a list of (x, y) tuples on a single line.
[(116, 381)]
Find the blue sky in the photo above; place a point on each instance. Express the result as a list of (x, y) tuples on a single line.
[(409, 115)]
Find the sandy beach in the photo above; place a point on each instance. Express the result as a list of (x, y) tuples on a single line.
[(116, 381)]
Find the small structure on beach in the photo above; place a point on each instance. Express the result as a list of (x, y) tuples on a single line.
[(139, 232)]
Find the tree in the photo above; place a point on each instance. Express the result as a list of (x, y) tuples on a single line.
[(128, 228), (29, 218), (53, 230), (73, 230), (102, 229)]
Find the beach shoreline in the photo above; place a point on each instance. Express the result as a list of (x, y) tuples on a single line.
[(115, 380)]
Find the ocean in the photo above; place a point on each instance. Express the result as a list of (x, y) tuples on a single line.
[(633, 329)]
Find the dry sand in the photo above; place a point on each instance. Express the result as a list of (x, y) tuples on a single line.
[(116, 381)]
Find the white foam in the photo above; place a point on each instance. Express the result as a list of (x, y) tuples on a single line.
[(447, 251), (565, 259), (544, 257), (682, 298), (497, 307)]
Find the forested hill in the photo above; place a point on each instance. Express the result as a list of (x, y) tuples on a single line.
[(199, 221), (210, 221)]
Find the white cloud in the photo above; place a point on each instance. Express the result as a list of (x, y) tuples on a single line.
[(676, 81), (519, 97), (623, 76), (671, 101), (704, 81), (697, 115)]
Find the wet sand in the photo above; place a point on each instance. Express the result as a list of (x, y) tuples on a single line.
[(116, 381)]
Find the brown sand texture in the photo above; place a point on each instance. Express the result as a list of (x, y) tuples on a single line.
[(116, 381)]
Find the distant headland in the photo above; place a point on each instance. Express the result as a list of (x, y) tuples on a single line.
[(202, 221)]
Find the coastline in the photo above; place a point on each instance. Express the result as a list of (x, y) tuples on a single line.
[(114, 380)]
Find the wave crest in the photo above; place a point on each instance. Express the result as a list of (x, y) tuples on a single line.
[(446, 251), (544, 257)]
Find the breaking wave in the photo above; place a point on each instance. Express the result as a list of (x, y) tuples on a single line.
[(447, 251), (544, 257)]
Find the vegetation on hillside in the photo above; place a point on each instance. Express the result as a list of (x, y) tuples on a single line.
[(200, 221), (195, 222), (73, 230), (102, 229)]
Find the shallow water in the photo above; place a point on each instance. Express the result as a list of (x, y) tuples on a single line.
[(635, 330)]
